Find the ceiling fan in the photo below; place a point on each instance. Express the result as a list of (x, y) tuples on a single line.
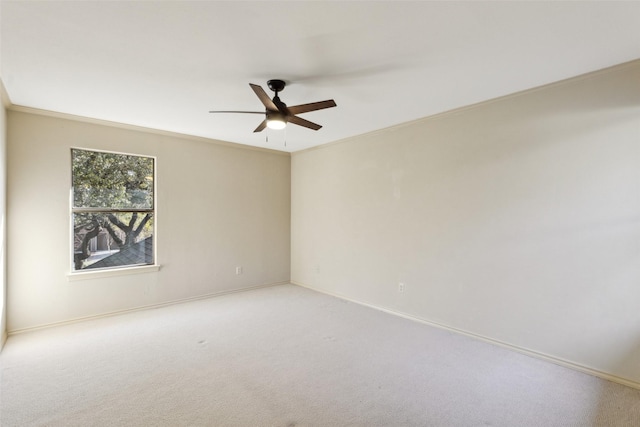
[(277, 114)]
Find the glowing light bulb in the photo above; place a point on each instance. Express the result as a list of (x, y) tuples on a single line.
[(276, 124)]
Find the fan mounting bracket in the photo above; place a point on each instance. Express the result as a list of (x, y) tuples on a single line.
[(276, 85)]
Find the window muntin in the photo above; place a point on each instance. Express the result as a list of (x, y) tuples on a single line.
[(112, 210)]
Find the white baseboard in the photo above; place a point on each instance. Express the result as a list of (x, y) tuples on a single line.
[(528, 352), (140, 308)]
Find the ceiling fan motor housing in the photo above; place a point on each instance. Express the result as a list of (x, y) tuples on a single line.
[(276, 85), (277, 116)]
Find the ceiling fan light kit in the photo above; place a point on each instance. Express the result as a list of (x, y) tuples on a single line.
[(275, 120), (277, 114)]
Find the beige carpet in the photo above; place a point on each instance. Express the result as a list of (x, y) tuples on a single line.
[(288, 356)]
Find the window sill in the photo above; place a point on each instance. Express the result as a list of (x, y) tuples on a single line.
[(88, 275)]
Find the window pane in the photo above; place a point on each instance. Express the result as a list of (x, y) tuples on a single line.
[(104, 239), (108, 180)]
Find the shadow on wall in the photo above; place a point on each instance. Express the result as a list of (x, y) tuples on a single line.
[(619, 405)]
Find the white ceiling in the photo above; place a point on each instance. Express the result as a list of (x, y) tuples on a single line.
[(164, 65)]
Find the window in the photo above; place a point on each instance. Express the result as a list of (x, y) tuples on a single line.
[(112, 210)]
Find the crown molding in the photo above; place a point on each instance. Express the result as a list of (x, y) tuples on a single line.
[(72, 117), (569, 80)]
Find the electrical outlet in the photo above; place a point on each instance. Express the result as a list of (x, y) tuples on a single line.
[(238, 270), (401, 287)]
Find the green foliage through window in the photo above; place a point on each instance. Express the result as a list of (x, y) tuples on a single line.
[(113, 209)]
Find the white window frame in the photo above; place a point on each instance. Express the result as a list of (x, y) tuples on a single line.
[(73, 274)]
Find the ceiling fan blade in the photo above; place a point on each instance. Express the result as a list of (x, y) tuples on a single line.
[(264, 98), (302, 122), (261, 126), (244, 112), (305, 108)]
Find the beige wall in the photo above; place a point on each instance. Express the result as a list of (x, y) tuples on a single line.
[(517, 220), (4, 102), (219, 206)]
